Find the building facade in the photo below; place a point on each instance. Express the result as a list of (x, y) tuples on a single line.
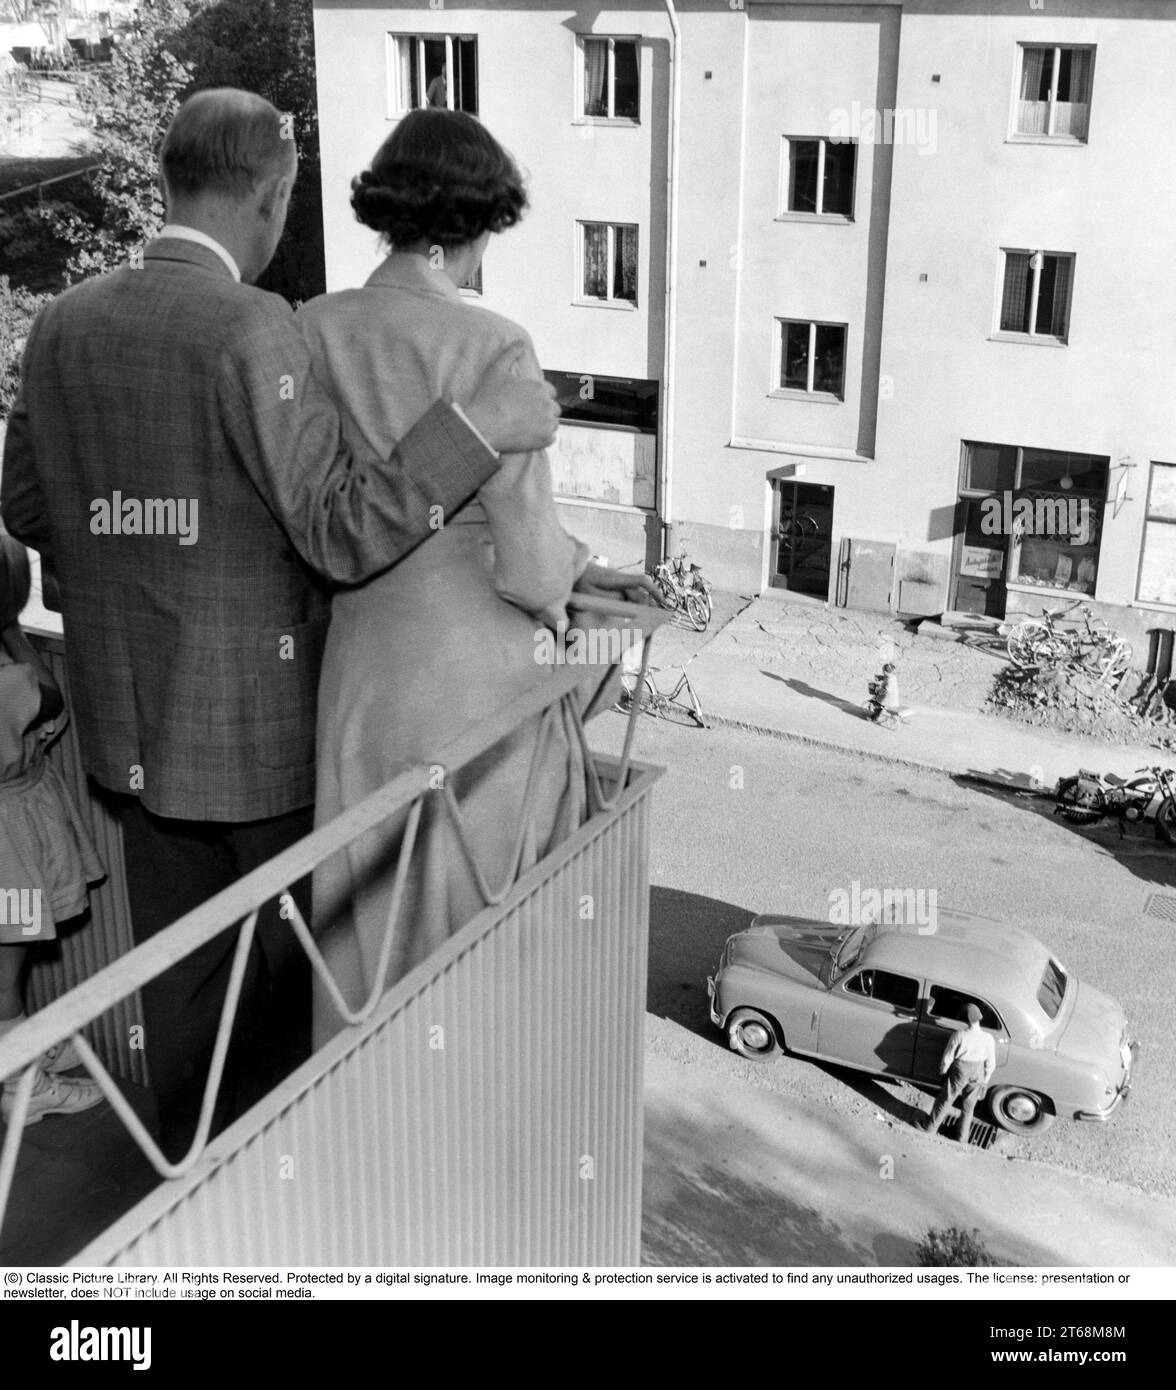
[(843, 298)]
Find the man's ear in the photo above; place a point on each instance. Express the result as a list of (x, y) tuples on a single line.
[(273, 193)]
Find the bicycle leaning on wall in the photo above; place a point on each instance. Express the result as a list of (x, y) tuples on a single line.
[(1061, 638)]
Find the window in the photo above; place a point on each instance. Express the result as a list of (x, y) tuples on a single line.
[(818, 177), (1047, 505), (1052, 989), (1157, 571), (1035, 294), (609, 81), (589, 399), (474, 284), (1053, 94), (432, 70), (950, 1004), (812, 357), (608, 262), (898, 990)]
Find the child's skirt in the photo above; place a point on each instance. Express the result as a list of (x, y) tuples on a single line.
[(46, 857)]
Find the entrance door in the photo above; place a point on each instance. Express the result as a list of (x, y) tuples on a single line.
[(802, 537), (982, 558)]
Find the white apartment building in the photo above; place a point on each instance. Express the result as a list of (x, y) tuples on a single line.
[(870, 302)]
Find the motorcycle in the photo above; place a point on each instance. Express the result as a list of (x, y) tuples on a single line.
[(1149, 794)]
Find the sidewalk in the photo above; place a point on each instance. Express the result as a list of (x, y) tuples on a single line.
[(799, 670)]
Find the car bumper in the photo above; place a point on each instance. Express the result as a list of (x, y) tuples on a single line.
[(1103, 1115), (715, 1017)]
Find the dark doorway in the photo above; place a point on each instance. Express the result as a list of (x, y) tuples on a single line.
[(982, 558), (802, 537)]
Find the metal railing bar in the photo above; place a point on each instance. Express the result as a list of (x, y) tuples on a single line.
[(130, 972), (335, 1051), (526, 816), (315, 956)]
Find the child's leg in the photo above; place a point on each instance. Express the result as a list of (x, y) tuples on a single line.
[(12, 960)]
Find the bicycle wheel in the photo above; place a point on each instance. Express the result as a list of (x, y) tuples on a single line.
[(667, 590), (696, 612), (1022, 640), (682, 707), (1049, 651)]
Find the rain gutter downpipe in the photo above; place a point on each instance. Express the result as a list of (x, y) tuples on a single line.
[(665, 492)]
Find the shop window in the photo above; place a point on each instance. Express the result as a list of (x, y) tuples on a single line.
[(1157, 571), (1047, 505), (589, 399), (1053, 92)]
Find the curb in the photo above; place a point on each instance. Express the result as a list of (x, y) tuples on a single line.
[(874, 755)]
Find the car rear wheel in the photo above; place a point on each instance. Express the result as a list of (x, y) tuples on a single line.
[(752, 1034), (1020, 1111)]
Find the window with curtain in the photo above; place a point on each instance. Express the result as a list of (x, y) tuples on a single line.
[(812, 357), (432, 70), (1053, 94), (1035, 294), (609, 262), (609, 73)]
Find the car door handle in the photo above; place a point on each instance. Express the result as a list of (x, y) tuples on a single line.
[(813, 1022)]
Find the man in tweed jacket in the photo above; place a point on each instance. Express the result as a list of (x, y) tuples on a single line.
[(179, 468)]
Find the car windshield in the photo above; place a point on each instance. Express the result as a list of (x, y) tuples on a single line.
[(1052, 989), (849, 949)]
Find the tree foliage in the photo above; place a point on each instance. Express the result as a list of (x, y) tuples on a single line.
[(129, 104), (953, 1246), (183, 46), (18, 308)]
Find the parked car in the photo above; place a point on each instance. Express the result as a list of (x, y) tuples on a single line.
[(885, 999)]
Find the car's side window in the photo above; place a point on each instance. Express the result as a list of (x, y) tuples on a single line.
[(949, 1005), (899, 990)]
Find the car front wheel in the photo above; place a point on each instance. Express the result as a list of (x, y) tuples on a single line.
[(1019, 1111), (752, 1034)]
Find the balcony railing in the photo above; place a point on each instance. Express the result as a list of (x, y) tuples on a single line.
[(517, 1141)]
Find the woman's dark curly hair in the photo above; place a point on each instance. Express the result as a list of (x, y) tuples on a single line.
[(442, 177)]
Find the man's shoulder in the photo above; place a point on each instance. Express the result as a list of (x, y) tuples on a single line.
[(130, 289)]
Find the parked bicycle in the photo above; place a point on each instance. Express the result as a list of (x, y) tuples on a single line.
[(680, 706), (683, 588), (1061, 638)]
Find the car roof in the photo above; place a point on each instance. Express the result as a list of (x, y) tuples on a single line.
[(975, 955)]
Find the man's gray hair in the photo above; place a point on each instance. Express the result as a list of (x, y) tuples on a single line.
[(224, 140)]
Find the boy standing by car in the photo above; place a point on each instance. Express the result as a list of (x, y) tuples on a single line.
[(969, 1059)]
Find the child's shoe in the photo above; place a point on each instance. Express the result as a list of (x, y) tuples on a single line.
[(52, 1095)]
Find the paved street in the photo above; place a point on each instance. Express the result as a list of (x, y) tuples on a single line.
[(746, 823)]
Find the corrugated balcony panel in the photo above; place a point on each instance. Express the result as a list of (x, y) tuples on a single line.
[(383, 1149), (83, 951)]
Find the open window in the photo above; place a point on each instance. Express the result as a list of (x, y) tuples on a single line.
[(951, 1006), (900, 991)]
